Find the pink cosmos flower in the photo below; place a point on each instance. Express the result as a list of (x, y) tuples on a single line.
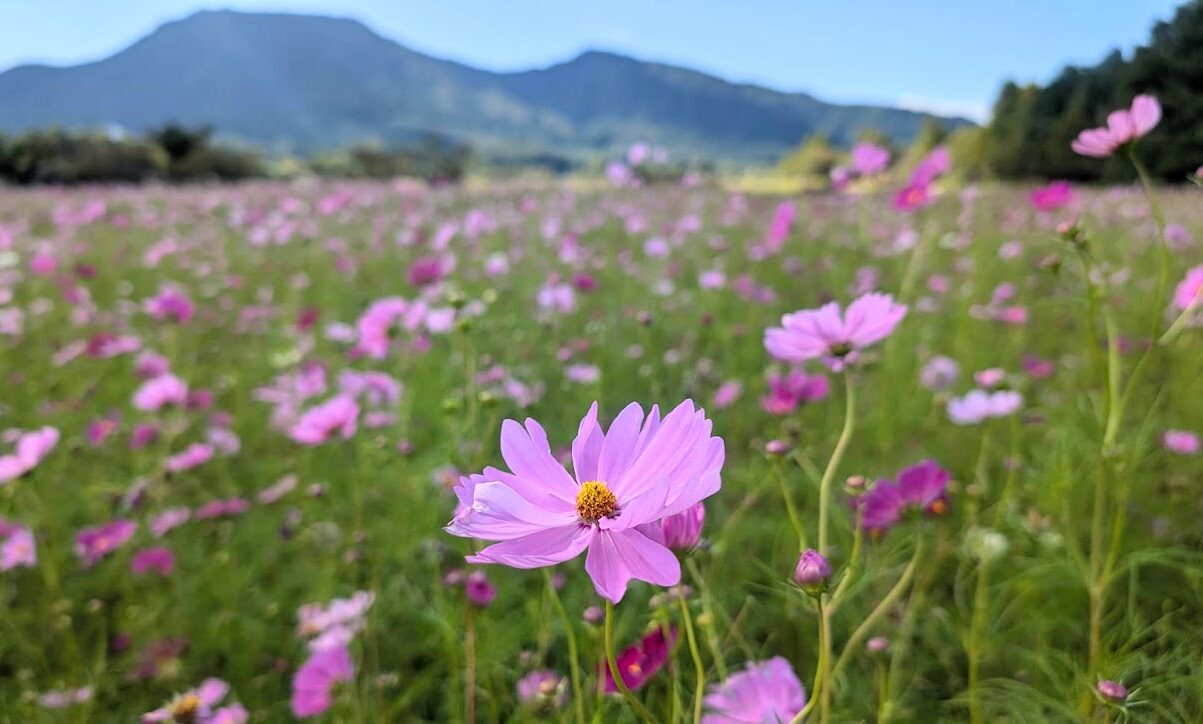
[(921, 487), (30, 449), (835, 338), (226, 508), (727, 393), (376, 324), (160, 561), (277, 490), (168, 520), (313, 684), (1189, 292), (914, 195), (339, 414), (779, 228), (543, 689), (788, 391), (1182, 442), (1052, 196), (18, 548), (934, 165), (170, 304), (150, 365), (765, 691), (979, 405), (625, 481), (195, 705), (1123, 126), (869, 159), (159, 392), (638, 663), (939, 373), (92, 544), (196, 454)]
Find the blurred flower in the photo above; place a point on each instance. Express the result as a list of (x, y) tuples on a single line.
[(1189, 293), (160, 561), (158, 392), (543, 690), (18, 548), (681, 532), (869, 159), (979, 405), (1112, 690), (1052, 196), (478, 589), (787, 391), (313, 684), (836, 339), (765, 691), (197, 705), (339, 414), (1182, 442), (30, 449), (939, 373), (636, 664), (92, 544), (1123, 126)]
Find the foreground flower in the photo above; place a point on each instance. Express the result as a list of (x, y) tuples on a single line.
[(765, 691), (197, 705), (313, 685), (836, 338), (1123, 126), (627, 479), (638, 663)]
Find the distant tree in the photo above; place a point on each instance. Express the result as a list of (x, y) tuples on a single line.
[(178, 141), (814, 157), (969, 147)]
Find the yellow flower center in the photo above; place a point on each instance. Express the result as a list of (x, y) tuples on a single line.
[(186, 708), (594, 501)]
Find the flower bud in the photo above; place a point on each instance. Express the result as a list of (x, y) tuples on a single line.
[(683, 530), (776, 447), (877, 644), (1112, 690), (813, 572)]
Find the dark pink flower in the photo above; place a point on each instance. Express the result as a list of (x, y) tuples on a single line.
[(92, 544), (640, 662), (159, 560), (1051, 197), (787, 391)]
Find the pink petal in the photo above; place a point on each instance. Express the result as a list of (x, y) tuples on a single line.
[(528, 455), (1145, 114), (618, 449), (544, 548), (586, 448), (500, 513), (615, 557)]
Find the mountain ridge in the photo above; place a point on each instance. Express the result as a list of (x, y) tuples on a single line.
[(304, 83)]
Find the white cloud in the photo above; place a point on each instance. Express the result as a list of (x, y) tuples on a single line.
[(974, 110)]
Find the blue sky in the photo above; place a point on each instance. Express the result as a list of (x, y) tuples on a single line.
[(940, 55)]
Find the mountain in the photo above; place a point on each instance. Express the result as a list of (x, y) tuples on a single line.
[(303, 83)]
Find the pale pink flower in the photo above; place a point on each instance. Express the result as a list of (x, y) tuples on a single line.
[(1123, 126), (835, 338), (159, 392), (338, 415)]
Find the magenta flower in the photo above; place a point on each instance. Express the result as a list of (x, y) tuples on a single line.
[(1052, 196), (921, 488), (626, 480), (31, 449), (1123, 126), (161, 391), (869, 159), (780, 226), (765, 691), (812, 572), (1189, 293), (339, 414), (92, 544), (825, 334), (160, 561), (914, 195), (1112, 690), (170, 304), (1182, 442), (638, 663), (196, 705), (788, 391), (479, 590), (934, 165), (313, 684), (376, 324)]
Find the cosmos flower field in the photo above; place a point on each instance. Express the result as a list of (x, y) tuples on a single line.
[(329, 450)]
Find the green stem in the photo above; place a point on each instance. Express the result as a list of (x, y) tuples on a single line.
[(820, 671), (469, 662), (698, 669), (709, 608), (574, 664), (862, 631), (980, 605), (789, 506), (837, 455), (637, 706)]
